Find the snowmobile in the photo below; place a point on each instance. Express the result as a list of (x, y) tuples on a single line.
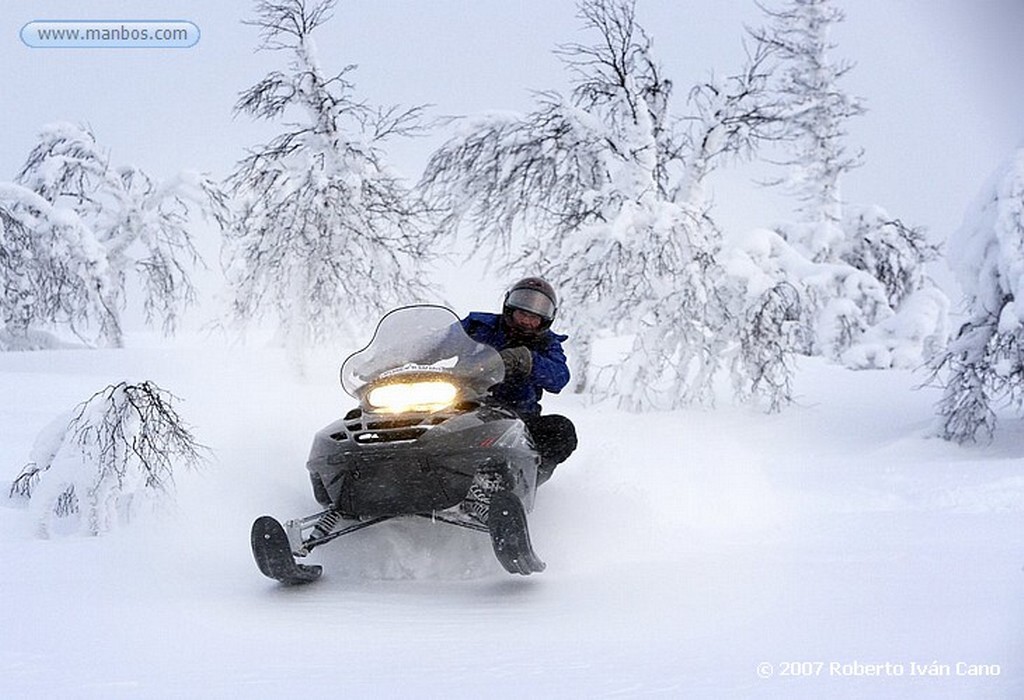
[(425, 441)]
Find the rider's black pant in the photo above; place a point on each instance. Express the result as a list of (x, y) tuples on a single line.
[(555, 439)]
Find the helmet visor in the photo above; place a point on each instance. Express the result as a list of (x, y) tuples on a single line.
[(533, 301)]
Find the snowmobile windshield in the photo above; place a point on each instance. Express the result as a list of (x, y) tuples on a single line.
[(418, 342)]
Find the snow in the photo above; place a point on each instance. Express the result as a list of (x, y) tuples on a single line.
[(987, 248), (684, 549), (917, 330)]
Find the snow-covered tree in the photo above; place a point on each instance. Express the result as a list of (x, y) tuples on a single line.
[(96, 225), (845, 313), (50, 268), (96, 467), (890, 251), (814, 110), (19, 301), (763, 365), (865, 298), (326, 233), (729, 119), (601, 192), (983, 367), (911, 325)]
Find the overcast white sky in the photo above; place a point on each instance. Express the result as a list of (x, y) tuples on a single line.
[(941, 80)]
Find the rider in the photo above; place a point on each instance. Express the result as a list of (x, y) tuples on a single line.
[(534, 363)]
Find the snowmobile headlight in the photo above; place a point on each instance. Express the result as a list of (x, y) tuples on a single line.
[(408, 397)]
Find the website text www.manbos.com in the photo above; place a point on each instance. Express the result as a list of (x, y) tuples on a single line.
[(110, 34)]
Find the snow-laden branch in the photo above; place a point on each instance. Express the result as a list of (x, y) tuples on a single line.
[(97, 466)]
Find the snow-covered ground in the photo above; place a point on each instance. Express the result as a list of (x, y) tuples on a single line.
[(835, 550)]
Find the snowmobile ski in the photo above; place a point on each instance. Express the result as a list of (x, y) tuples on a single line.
[(273, 554), (510, 536)]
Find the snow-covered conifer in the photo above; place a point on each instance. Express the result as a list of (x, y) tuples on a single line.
[(326, 233), (814, 110), (983, 366), (96, 467), (866, 300)]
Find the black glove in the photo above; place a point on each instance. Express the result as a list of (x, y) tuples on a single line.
[(518, 362)]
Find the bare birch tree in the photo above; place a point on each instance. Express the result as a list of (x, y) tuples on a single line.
[(327, 236), (601, 192), (95, 226)]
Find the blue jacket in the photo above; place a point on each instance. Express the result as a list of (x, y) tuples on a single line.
[(550, 371)]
